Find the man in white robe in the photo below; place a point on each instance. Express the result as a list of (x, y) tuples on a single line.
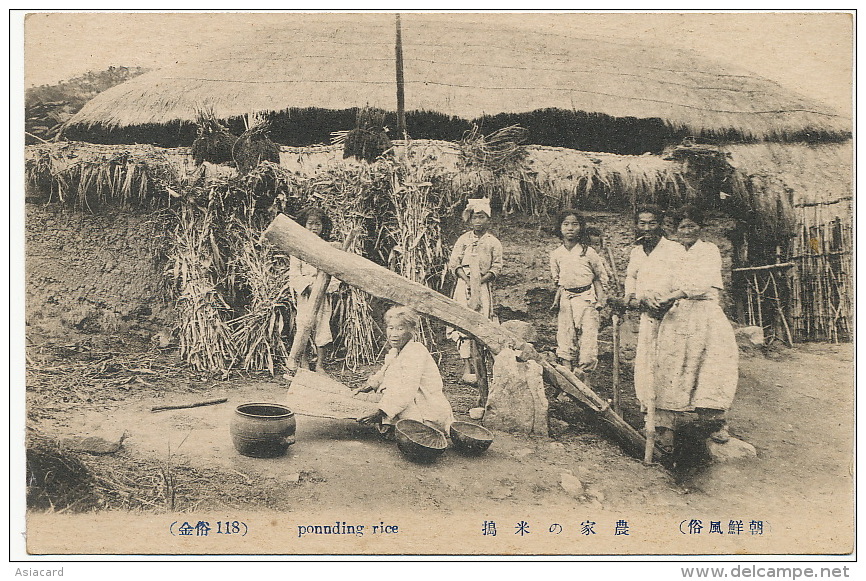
[(649, 277)]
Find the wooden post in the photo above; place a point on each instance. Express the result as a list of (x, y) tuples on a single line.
[(615, 323), (476, 304), (614, 319), (355, 270), (305, 324), (650, 428), (401, 98)]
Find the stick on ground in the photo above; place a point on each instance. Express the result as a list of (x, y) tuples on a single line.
[(160, 408)]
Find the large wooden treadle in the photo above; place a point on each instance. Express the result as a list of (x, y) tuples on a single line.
[(357, 271)]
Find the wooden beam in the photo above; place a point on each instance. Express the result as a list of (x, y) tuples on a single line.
[(765, 267), (357, 271)]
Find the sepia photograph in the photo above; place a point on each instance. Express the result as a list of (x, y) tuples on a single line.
[(480, 284)]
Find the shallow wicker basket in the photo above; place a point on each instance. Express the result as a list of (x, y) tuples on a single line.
[(419, 442), (470, 438)]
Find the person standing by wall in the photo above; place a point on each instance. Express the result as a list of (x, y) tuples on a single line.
[(697, 355), (649, 279), (581, 286), (480, 251)]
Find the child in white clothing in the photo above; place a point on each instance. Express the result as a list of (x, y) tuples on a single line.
[(301, 279), (481, 251), (581, 280)]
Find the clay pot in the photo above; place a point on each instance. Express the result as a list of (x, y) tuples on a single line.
[(263, 430)]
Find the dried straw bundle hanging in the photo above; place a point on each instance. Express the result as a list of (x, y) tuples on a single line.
[(414, 227), (568, 178), (213, 143), (358, 332), (86, 175), (205, 337), (254, 146), (368, 140), (501, 150)]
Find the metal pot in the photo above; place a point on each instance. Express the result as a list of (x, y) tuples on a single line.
[(263, 430)]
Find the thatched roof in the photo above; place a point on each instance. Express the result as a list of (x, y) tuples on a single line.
[(460, 68), (786, 184), (809, 184)]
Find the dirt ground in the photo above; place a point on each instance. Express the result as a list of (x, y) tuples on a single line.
[(796, 406)]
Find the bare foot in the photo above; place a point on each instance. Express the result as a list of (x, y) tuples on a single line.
[(665, 439)]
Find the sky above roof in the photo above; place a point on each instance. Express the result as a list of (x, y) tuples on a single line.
[(811, 53)]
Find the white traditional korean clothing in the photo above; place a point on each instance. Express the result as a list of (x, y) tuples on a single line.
[(649, 274), (697, 355), (412, 388)]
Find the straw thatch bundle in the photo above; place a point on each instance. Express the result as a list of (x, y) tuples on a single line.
[(552, 178), (213, 143), (368, 140), (253, 147), (414, 227), (197, 266), (501, 150), (465, 66), (259, 335), (57, 479), (85, 175)]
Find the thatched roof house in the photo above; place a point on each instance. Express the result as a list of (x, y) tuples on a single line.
[(781, 163), (460, 68)]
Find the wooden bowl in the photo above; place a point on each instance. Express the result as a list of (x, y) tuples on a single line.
[(419, 442), (470, 438)]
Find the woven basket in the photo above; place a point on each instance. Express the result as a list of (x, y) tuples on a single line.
[(470, 438), (419, 442)]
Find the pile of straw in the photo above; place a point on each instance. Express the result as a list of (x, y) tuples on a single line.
[(57, 479), (253, 147), (197, 266), (87, 175), (501, 150), (368, 140), (259, 334), (213, 143)]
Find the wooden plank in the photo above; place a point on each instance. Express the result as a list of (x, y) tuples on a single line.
[(317, 395)]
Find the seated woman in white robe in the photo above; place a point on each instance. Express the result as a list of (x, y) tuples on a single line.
[(697, 355), (409, 381)]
